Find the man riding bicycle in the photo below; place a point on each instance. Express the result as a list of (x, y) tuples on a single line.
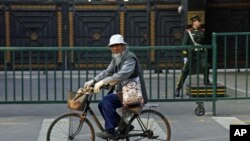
[(123, 66)]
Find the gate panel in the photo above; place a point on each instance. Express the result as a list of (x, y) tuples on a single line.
[(93, 26), (2, 31), (136, 26), (232, 17), (137, 29), (34, 26), (2, 37), (169, 31)]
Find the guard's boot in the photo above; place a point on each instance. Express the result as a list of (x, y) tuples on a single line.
[(177, 92), (207, 82)]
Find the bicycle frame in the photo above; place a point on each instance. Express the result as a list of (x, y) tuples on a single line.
[(88, 109), (99, 125), (140, 120)]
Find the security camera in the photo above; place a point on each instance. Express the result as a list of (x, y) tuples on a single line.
[(180, 8)]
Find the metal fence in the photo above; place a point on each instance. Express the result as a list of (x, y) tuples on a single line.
[(41, 78), (234, 75)]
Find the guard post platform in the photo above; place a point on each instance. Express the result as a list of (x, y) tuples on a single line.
[(201, 90)]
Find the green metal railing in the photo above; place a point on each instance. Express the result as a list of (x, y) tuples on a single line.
[(45, 74), (234, 65)]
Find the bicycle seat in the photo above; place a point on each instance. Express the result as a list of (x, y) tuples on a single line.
[(135, 108), (152, 105)]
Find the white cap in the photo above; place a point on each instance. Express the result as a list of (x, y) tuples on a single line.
[(116, 39)]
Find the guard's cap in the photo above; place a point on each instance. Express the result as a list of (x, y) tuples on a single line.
[(195, 18)]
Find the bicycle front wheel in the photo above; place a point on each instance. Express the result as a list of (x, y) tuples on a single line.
[(150, 125), (71, 127)]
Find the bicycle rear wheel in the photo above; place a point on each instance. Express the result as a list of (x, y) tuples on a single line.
[(150, 125), (71, 127)]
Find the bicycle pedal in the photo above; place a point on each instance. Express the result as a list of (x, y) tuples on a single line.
[(115, 138), (118, 137), (154, 137)]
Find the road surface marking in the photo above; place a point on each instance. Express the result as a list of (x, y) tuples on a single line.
[(46, 123), (44, 128), (227, 121)]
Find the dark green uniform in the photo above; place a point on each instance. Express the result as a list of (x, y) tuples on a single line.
[(197, 57)]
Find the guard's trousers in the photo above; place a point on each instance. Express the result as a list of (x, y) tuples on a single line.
[(186, 70), (108, 107)]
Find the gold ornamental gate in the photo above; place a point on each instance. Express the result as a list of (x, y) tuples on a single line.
[(84, 24)]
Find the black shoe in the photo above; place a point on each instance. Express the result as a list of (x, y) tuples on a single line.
[(105, 135), (123, 129), (207, 83), (177, 92), (158, 71)]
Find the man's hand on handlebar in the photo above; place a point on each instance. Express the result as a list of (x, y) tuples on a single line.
[(89, 83), (97, 86), (86, 90)]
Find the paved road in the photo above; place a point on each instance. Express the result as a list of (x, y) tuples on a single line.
[(25, 122)]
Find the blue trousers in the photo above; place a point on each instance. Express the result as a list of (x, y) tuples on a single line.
[(108, 107)]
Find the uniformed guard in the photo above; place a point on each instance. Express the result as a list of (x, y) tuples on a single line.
[(195, 56)]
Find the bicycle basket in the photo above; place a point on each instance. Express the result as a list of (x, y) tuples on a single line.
[(77, 101)]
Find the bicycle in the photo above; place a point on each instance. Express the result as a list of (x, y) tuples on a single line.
[(149, 124)]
